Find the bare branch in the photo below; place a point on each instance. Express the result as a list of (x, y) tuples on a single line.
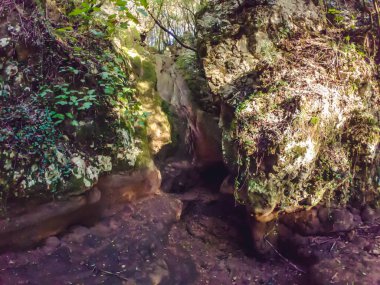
[(171, 33)]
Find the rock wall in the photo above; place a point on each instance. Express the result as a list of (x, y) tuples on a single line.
[(28, 223), (80, 122), (71, 107), (142, 68), (197, 128), (299, 105)]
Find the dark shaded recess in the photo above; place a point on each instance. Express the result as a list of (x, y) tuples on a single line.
[(235, 215), (213, 175)]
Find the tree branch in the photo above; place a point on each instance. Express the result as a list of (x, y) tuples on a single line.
[(171, 33)]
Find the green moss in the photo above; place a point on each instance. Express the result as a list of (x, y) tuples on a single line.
[(314, 121), (329, 178), (149, 72), (136, 63), (361, 131), (166, 108), (299, 151)]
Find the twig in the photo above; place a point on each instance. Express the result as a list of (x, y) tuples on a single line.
[(116, 274), (332, 247), (323, 240), (283, 257), (366, 227)]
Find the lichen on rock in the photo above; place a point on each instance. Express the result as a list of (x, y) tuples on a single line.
[(298, 128), (71, 109)]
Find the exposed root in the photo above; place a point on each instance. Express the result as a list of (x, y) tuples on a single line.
[(283, 257)]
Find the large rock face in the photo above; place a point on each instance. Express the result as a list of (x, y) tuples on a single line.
[(299, 105), (201, 136), (142, 67), (69, 110)]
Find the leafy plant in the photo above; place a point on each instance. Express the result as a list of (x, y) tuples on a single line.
[(67, 101), (88, 11), (337, 15)]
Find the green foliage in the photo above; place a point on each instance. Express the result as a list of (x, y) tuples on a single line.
[(144, 3), (336, 14), (68, 102), (179, 16), (72, 114), (90, 16), (34, 135), (187, 61), (350, 47), (314, 121), (85, 9)]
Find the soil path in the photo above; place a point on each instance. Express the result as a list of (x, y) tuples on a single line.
[(197, 237)]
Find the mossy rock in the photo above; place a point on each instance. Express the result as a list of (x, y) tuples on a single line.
[(299, 133), (53, 135)]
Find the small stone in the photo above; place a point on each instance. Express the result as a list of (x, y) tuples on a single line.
[(343, 220), (4, 42), (351, 235), (14, 30), (53, 242), (375, 252), (368, 214), (11, 70)]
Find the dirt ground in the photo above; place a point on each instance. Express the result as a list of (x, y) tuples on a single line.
[(195, 236)]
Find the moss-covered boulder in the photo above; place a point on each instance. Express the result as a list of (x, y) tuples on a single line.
[(71, 106), (299, 100)]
